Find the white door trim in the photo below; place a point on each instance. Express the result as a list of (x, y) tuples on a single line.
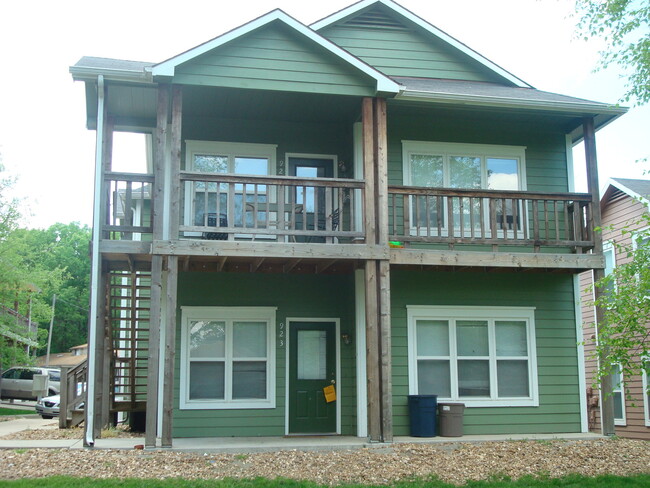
[(337, 342)]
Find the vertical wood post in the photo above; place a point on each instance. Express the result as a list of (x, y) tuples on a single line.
[(606, 387), (172, 268), (383, 268), (153, 361)]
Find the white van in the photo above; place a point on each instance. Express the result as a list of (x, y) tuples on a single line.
[(18, 382)]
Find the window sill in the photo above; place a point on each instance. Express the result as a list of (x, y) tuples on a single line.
[(501, 402), (212, 405)]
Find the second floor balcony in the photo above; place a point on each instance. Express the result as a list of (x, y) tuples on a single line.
[(331, 211)]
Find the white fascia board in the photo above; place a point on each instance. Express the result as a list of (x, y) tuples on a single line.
[(624, 189), (80, 73), (571, 107), (427, 27), (167, 68)]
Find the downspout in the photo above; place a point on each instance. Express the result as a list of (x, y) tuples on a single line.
[(89, 440)]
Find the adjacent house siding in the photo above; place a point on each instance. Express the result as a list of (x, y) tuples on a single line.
[(551, 295), (275, 58), (619, 211), (317, 296), (403, 50)]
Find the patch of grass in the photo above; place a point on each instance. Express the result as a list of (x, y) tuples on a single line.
[(15, 411), (573, 481)]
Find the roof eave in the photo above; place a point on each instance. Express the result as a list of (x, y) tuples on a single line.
[(85, 73), (611, 182)]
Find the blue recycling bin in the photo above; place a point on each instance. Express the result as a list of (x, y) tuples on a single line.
[(422, 414)]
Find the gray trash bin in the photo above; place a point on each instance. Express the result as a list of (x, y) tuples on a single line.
[(451, 419)]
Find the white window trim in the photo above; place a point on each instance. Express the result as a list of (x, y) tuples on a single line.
[(230, 150), (266, 314), (527, 314), (447, 149), (646, 400), (620, 388)]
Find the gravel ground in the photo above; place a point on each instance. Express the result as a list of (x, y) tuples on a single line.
[(455, 463)]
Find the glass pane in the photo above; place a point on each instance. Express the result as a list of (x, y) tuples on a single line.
[(617, 381), (502, 174), (420, 205), (207, 214), (473, 378), (249, 340), (206, 380), (249, 379), (511, 338), (619, 405), (207, 339), (465, 172), (432, 337), (472, 338), (512, 379), (208, 163), (434, 378), (426, 170), (312, 358), (251, 166)]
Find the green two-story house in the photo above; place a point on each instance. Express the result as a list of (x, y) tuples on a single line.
[(364, 204)]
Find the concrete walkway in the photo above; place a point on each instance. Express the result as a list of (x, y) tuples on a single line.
[(248, 444)]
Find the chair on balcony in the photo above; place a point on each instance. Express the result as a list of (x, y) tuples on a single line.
[(212, 222)]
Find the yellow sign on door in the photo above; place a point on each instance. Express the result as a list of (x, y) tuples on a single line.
[(330, 393)]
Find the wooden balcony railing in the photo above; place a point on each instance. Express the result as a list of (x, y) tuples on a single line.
[(128, 207), (452, 216), (282, 208)]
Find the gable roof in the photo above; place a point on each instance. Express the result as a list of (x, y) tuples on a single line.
[(426, 27), (637, 189), (168, 67)]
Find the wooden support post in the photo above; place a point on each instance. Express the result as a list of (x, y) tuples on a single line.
[(170, 351), (153, 361), (175, 183), (372, 353), (606, 387), (368, 137)]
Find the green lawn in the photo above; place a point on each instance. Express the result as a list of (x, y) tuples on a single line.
[(573, 481), (15, 411)]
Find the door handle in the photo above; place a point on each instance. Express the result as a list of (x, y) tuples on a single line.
[(333, 381)]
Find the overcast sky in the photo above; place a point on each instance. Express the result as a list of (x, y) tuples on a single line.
[(44, 142)]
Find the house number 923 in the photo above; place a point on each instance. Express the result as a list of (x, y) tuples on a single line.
[(281, 335)]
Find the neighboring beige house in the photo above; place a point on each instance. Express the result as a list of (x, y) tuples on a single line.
[(77, 355), (623, 202)]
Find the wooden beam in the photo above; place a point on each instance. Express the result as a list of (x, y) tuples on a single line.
[(606, 384), (107, 246), (290, 265), (323, 266), (170, 351), (373, 372), (368, 138), (175, 160), (255, 265), (495, 260), (385, 355), (269, 250)]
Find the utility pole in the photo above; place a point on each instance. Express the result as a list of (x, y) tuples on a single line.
[(49, 337)]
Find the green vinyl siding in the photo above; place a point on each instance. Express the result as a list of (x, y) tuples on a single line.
[(555, 331), (295, 296), (404, 50), (274, 57)]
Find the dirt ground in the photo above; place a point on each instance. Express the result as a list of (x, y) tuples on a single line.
[(455, 463)]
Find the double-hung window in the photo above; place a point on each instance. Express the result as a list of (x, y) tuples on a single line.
[(227, 357), (482, 356), (462, 166), (208, 203), (646, 392), (618, 391)]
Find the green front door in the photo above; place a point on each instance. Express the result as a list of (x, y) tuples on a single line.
[(312, 367)]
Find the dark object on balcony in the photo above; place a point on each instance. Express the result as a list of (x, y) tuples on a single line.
[(212, 222)]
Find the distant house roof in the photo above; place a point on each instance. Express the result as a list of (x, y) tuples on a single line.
[(639, 189)]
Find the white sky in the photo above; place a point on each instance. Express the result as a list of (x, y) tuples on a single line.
[(44, 142)]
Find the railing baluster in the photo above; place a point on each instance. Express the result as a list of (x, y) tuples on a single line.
[(536, 220), (481, 216), (450, 216), (546, 230), (439, 210), (556, 220), (407, 213), (428, 203), (461, 216), (515, 217), (231, 209)]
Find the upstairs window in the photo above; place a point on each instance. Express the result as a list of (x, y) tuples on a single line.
[(207, 203), (462, 166)]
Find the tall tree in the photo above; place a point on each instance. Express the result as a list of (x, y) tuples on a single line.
[(625, 26)]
